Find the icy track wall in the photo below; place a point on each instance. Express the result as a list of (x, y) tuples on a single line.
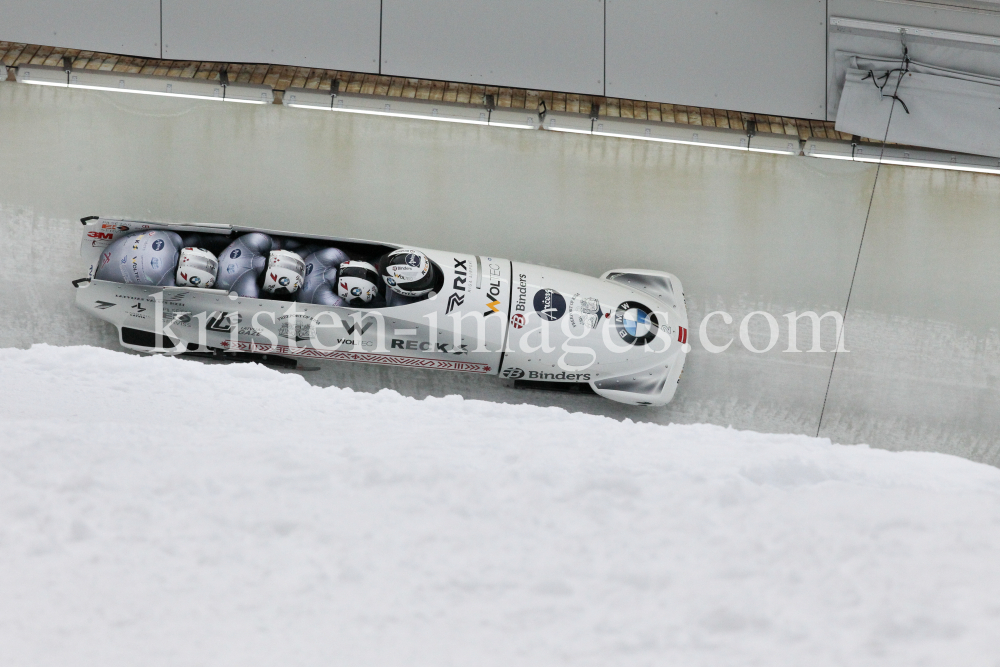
[(745, 232)]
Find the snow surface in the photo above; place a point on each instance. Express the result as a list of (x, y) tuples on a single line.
[(157, 511)]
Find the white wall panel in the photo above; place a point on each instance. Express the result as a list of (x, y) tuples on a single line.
[(551, 45), (332, 34), (115, 26), (765, 57)]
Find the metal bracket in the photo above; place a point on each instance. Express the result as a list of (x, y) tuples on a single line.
[(334, 90), (84, 221), (80, 281), (595, 109), (751, 126)]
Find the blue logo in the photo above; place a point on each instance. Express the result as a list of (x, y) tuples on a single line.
[(235, 253), (283, 281), (195, 280), (154, 262), (231, 268), (390, 281), (412, 259), (158, 245), (549, 304), (356, 291), (309, 268), (124, 259)]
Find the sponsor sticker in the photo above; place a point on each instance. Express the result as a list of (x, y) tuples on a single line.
[(636, 324), (549, 304), (517, 321)]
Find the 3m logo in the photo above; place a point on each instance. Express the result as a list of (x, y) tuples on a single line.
[(101, 235), (682, 335), (454, 301)]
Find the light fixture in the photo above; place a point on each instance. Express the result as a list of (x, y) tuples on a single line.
[(520, 119), (575, 123), (378, 105), (903, 157), (3, 72), (672, 133), (122, 82), (831, 150), (777, 144)]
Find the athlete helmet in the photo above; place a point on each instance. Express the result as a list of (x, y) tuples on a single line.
[(284, 273), (197, 268), (408, 272), (357, 282)]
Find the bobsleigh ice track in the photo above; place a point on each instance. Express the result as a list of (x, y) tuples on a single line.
[(744, 232)]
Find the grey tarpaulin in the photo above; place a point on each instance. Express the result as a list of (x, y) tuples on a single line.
[(946, 109)]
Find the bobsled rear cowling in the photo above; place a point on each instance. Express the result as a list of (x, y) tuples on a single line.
[(622, 335)]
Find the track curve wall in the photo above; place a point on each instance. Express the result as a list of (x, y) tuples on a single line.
[(744, 232)]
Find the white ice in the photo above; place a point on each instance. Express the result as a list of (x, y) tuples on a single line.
[(157, 511)]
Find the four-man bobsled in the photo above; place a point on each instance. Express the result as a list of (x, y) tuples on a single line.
[(623, 335)]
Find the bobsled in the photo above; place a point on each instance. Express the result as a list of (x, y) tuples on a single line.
[(622, 336)]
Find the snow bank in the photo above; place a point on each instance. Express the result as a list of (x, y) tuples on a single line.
[(157, 511)]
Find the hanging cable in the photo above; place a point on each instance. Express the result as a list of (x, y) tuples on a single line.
[(904, 66)]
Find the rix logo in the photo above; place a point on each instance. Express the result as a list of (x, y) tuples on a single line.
[(454, 301), (101, 235), (460, 275)]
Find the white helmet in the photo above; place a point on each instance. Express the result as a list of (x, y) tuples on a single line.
[(197, 268), (357, 282), (408, 272), (284, 273)]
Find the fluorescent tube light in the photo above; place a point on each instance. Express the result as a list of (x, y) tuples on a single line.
[(3, 73), (575, 123), (121, 82), (378, 105), (777, 144), (903, 157), (672, 133), (515, 118)]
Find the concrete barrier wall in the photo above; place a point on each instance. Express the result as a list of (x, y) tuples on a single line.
[(745, 232)]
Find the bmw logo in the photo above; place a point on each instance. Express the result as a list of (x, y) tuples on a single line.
[(158, 245), (636, 324), (235, 253), (283, 281), (390, 281), (355, 291), (195, 280)]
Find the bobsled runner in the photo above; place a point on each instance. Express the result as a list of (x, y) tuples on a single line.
[(239, 291)]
